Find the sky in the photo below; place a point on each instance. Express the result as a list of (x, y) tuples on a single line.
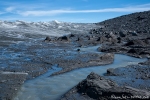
[(80, 11)]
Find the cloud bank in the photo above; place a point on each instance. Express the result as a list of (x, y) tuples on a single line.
[(137, 8), (44, 12)]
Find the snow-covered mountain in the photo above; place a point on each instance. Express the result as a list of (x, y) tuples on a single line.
[(53, 28), (14, 32)]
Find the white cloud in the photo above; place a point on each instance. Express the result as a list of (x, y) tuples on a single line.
[(10, 9), (42, 13), (33, 10), (55, 12)]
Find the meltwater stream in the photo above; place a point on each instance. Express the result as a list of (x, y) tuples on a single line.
[(52, 88)]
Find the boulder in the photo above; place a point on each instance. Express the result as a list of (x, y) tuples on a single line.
[(47, 38), (72, 35), (99, 88), (132, 51), (63, 38), (119, 40), (110, 71), (129, 43), (135, 42), (78, 50), (139, 18), (122, 34), (98, 39)]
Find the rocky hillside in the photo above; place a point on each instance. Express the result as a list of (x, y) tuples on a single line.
[(124, 27), (138, 22), (128, 34)]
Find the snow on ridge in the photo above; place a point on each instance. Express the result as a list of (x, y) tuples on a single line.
[(56, 21), (13, 73), (52, 28), (19, 23), (48, 23)]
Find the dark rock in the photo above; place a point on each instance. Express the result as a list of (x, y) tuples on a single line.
[(78, 39), (139, 18), (110, 71), (107, 36), (63, 38), (78, 50), (119, 40), (122, 34), (100, 88), (129, 43), (132, 51), (72, 35), (144, 53), (135, 42), (47, 38), (98, 39)]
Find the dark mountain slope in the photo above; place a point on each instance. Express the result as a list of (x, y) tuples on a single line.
[(139, 22), (129, 34)]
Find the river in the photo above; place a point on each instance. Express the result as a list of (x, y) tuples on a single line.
[(52, 88)]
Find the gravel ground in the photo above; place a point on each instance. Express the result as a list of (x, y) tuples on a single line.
[(128, 34)]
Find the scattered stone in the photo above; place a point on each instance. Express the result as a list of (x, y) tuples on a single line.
[(119, 40), (129, 43), (98, 39), (122, 34), (139, 18), (110, 71), (72, 35), (78, 50), (47, 38), (63, 38), (132, 51)]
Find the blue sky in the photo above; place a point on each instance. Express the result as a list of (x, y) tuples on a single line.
[(84, 11)]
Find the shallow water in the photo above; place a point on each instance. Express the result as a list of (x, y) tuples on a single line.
[(52, 88)]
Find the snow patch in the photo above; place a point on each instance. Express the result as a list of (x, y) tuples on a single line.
[(13, 73)]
